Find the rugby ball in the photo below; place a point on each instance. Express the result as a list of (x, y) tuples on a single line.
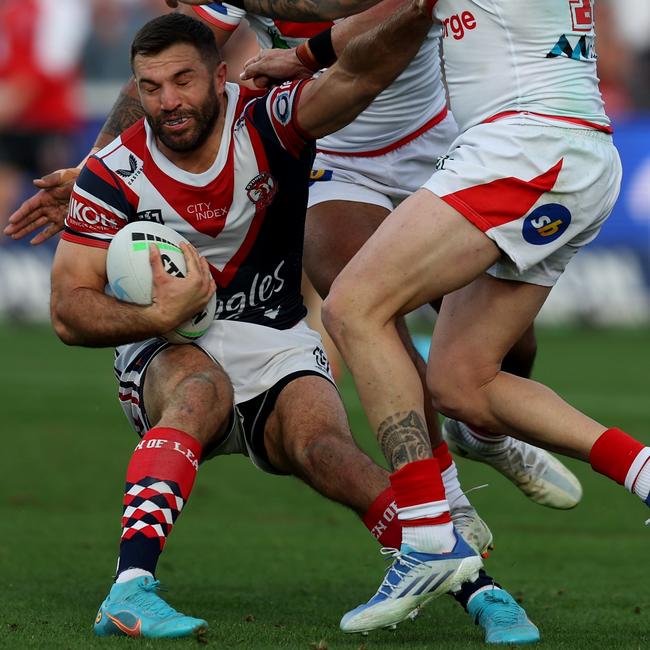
[(130, 278)]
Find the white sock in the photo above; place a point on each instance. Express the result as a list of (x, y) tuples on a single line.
[(455, 495), (492, 444), (130, 574), (637, 480), (430, 539)]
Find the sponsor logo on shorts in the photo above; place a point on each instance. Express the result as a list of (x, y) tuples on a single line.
[(546, 223), (320, 175)]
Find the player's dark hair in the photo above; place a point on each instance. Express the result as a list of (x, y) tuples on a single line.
[(171, 29)]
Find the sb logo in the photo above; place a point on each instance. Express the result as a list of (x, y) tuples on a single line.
[(546, 223)]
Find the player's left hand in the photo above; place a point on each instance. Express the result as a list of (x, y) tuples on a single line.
[(271, 66), (47, 209)]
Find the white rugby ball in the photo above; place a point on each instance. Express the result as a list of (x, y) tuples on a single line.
[(131, 280)]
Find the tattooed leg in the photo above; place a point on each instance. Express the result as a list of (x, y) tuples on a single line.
[(403, 437)]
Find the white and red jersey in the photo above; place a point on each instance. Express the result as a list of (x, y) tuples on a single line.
[(245, 214), (412, 104), (534, 56)]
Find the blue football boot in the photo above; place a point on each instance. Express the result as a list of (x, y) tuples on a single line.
[(501, 617), (133, 608)]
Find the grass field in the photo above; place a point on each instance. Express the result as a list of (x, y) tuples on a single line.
[(270, 564)]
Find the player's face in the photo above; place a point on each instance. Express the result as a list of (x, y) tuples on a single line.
[(179, 95)]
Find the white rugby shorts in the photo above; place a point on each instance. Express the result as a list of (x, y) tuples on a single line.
[(259, 361), (539, 190), (385, 179)]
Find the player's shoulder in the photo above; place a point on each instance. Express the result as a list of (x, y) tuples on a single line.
[(133, 140)]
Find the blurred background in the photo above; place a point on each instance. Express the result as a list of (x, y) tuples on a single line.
[(61, 67)]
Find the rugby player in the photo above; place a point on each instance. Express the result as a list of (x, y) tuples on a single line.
[(251, 154), (528, 182)]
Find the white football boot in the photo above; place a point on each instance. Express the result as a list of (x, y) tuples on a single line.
[(472, 529), (538, 474), (411, 581)]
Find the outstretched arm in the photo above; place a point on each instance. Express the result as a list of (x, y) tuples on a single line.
[(298, 10), (318, 52), (368, 64)]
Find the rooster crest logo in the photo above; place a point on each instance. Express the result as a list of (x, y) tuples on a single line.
[(133, 165)]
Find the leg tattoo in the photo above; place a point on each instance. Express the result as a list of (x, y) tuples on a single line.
[(403, 437)]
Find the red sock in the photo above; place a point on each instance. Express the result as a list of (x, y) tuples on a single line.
[(442, 454), (420, 494), (613, 454), (381, 520), (159, 480)]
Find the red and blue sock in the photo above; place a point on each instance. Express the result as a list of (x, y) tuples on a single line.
[(159, 481)]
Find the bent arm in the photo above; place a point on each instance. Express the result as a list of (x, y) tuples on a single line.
[(82, 314), (368, 64)]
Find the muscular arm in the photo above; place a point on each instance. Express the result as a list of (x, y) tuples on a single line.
[(298, 10), (82, 314), (368, 64)]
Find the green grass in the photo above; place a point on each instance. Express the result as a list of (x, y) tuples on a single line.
[(270, 564)]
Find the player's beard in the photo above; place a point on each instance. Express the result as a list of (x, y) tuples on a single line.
[(204, 118)]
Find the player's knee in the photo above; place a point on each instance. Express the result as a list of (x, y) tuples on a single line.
[(322, 449), (456, 390), (202, 401), (338, 316)]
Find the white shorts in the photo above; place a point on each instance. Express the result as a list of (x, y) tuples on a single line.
[(385, 179), (259, 361), (539, 190)]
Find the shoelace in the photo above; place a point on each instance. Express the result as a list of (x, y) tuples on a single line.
[(387, 588), (508, 615), (147, 598)]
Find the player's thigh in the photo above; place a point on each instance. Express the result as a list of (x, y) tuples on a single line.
[(334, 232), (477, 326), (307, 411), (422, 251), (183, 383)]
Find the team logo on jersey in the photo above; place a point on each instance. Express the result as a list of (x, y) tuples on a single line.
[(440, 162), (151, 215), (546, 223), (262, 189), (319, 175)]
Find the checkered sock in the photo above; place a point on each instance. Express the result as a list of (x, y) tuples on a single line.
[(159, 480), (623, 459), (422, 507)]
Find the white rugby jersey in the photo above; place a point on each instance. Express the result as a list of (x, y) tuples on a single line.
[(413, 103), (520, 55), (245, 214)]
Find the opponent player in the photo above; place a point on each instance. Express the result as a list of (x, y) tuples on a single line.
[(528, 182), (249, 157)]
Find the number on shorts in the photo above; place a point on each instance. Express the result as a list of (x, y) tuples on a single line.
[(582, 15)]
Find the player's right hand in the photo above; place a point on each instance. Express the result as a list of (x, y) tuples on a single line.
[(277, 64), (176, 299), (47, 209)]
